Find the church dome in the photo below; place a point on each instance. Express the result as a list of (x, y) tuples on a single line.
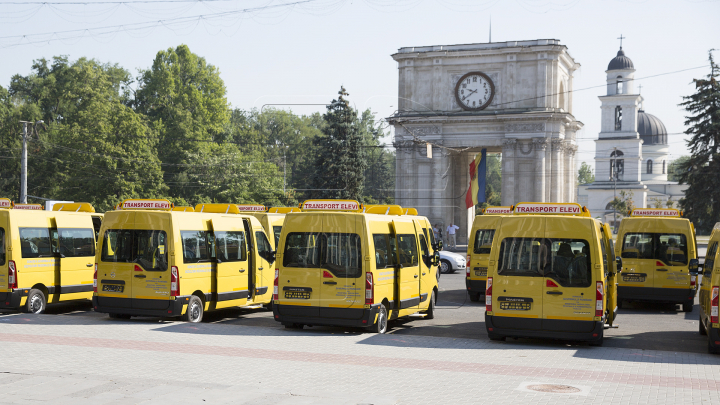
[(620, 62), (652, 131)]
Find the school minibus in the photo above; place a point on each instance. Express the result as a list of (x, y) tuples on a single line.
[(657, 247), (710, 292), (272, 221), (478, 250), (153, 261), (46, 257), (551, 274), (339, 266)]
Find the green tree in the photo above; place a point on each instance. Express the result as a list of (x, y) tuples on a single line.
[(585, 174), (380, 172), (185, 99), (340, 164), (95, 148), (624, 203), (674, 171), (702, 197)]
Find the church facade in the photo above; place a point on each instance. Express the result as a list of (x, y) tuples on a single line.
[(631, 153), (512, 98)]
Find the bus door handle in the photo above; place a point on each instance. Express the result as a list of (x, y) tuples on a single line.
[(554, 292), (330, 282), (89, 265), (661, 269), (242, 270), (423, 274), (416, 276), (260, 268), (140, 276)]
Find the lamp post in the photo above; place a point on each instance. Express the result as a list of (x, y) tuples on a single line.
[(614, 178)]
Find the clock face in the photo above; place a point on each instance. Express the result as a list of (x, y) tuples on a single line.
[(474, 91)]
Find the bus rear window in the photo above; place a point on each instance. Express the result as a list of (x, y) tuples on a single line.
[(483, 241), (339, 253), (566, 261), (144, 247), (670, 248)]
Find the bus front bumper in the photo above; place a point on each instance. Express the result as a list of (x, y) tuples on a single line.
[(322, 316), (140, 307), (585, 331)]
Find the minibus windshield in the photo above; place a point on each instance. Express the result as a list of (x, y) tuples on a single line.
[(144, 247)]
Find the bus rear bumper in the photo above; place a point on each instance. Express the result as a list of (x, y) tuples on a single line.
[(476, 286), (12, 299), (140, 307), (302, 315), (659, 295), (585, 331)]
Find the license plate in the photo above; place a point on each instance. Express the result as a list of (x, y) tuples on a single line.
[(113, 288), (516, 306), (297, 295), (634, 278), (482, 272)]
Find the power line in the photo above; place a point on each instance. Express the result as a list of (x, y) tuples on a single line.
[(80, 33)]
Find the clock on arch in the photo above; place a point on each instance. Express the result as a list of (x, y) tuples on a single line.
[(474, 91)]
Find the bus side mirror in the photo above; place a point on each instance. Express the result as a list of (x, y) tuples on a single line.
[(439, 245), (618, 262), (694, 266), (436, 259)]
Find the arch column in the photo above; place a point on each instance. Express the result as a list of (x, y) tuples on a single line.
[(540, 145), (558, 183), (570, 187), (508, 171)]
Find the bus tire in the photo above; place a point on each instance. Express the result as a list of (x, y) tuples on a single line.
[(195, 309), (382, 321), (474, 296), (687, 306), (119, 316), (36, 302), (702, 330), (430, 313)]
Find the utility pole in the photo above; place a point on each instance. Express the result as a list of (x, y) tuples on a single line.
[(614, 177), (23, 161)]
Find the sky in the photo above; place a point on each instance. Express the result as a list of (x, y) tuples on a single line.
[(269, 52)]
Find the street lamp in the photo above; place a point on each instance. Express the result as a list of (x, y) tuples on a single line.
[(23, 160)]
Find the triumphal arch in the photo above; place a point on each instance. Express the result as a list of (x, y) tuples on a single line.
[(512, 98)]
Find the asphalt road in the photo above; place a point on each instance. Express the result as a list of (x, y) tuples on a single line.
[(640, 325)]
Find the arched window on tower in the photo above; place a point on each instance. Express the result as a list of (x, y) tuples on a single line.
[(617, 165), (664, 167), (619, 85), (649, 166), (618, 118)]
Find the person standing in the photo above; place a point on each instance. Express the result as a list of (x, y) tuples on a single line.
[(451, 235), (436, 231)]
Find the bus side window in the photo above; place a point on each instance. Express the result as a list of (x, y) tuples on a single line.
[(710, 260)]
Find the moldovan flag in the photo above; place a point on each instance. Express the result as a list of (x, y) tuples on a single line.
[(478, 168)]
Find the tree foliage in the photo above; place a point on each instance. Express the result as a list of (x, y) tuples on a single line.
[(340, 163), (674, 170), (702, 197), (585, 174), (175, 136), (624, 203)]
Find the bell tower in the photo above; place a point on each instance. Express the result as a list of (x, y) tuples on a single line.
[(618, 148)]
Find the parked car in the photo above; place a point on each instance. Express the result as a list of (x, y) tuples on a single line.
[(451, 262)]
